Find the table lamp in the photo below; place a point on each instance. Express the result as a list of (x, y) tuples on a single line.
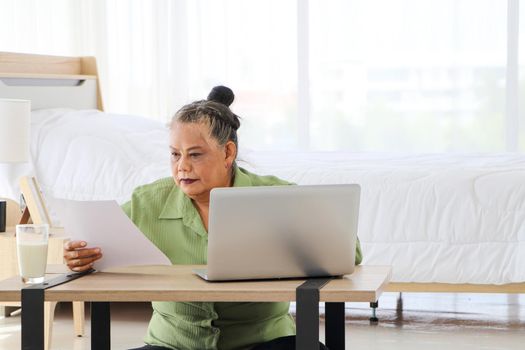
[(15, 117)]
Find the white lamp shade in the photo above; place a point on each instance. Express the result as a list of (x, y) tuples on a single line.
[(15, 116)]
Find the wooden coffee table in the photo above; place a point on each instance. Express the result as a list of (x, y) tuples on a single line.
[(179, 283)]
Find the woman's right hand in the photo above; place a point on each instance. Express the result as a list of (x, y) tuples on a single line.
[(79, 257)]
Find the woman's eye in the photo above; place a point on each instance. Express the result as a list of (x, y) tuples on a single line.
[(175, 155), (195, 155)]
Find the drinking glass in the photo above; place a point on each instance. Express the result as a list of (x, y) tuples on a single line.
[(31, 245)]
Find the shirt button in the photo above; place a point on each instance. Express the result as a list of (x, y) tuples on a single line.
[(216, 330)]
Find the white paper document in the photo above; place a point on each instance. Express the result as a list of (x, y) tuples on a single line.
[(104, 224)]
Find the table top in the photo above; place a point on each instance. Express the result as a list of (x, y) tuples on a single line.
[(179, 283)]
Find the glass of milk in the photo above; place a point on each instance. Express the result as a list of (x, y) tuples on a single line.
[(31, 246)]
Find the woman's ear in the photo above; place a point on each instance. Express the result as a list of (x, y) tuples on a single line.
[(230, 152)]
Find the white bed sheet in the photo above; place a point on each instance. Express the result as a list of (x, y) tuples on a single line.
[(451, 218)]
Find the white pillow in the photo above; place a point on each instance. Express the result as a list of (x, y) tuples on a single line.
[(91, 155)]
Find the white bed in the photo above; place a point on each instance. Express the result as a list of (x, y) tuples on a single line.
[(445, 222)]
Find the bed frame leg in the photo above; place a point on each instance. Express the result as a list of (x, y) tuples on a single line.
[(374, 306), (399, 305)]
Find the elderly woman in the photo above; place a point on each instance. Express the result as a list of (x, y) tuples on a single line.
[(173, 214)]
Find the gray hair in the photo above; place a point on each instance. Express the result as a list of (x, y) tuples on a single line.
[(223, 123)]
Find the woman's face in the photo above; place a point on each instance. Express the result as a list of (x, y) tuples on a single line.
[(198, 162)]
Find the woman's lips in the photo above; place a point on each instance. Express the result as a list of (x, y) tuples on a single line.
[(187, 181)]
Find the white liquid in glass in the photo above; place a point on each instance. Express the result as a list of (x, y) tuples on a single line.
[(32, 260)]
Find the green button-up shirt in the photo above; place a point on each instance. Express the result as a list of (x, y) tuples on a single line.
[(168, 218)]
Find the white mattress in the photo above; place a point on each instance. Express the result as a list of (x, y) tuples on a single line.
[(454, 218)]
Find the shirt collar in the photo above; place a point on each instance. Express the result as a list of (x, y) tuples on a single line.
[(179, 206), (241, 179), (176, 205)]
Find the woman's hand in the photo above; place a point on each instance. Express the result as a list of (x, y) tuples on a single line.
[(79, 257)]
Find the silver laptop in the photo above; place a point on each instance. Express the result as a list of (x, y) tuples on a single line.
[(281, 232)]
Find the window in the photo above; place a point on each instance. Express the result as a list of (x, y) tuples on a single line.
[(359, 75), (408, 75)]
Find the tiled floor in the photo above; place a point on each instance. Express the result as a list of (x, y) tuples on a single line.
[(427, 321)]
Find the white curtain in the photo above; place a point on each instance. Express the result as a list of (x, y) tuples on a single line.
[(382, 75), (139, 46)]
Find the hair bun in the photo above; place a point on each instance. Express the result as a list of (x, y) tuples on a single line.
[(221, 94)]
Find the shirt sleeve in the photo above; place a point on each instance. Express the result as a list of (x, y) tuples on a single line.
[(358, 252), (126, 207)]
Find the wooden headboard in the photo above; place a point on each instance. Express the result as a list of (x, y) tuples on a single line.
[(50, 81)]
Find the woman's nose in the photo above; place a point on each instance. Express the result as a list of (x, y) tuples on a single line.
[(184, 164)]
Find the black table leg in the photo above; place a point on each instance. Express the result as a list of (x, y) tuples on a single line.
[(335, 326), (307, 309), (33, 310), (33, 318), (100, 326)]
